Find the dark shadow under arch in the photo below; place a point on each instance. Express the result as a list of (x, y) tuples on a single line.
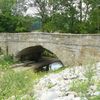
[(34, 53)]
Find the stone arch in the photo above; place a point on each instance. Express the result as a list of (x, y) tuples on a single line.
[(39, 56), (34, 53)]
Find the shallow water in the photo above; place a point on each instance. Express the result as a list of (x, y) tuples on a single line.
[(55, 66)]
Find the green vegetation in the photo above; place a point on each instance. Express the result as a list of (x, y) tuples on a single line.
[(53, 16), (18, 83), (5, 62), (13, 83), (50, 85), (11, 20), (82, 86), (66, 17), (10, 23)]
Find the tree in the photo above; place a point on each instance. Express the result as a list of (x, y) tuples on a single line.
[(47, 9), (6, 6), (13, 22), (92, 13), (71, 16)]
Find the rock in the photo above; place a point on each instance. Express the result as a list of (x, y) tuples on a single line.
[(50, 95), (70, 97), (77, 98), (93, 87), (57, 86), (71, 93)]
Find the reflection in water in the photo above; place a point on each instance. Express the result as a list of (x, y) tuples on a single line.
[(55, 65)]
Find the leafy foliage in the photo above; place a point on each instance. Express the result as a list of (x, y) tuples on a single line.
[(11, 23), (65, 16), (54, 16), (16, 83)]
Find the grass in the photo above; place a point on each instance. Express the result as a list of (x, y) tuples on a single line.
[(5, 62), (16, 83), (20, 83), (50, 85), (13, 83), (95, 98)]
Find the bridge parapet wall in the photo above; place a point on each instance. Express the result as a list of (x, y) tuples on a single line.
[(68, 47)]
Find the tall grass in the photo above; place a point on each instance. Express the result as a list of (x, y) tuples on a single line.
[(15, 83), (5, 62)]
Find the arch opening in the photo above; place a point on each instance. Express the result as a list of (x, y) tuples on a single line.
[(41, 57)]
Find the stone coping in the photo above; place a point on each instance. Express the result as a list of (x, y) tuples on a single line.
[(56, 33)]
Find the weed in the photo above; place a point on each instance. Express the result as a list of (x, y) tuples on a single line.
[(17, 83), (82, 86), (14, 83), (5, 62), (50, 85)]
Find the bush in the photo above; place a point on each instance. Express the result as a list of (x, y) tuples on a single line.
[(11, 23)]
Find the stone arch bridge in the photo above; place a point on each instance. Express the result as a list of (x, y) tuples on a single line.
[(69, 48)]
